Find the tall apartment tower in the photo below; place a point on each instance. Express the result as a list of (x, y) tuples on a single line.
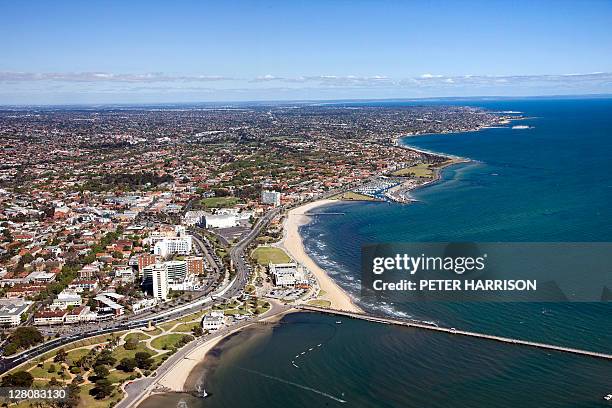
[(160, 282)]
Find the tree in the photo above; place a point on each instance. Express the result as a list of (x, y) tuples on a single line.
[(11, 348), (101, 371), (103, 389), (26, 337), (197, 330), (106, 358), (52, 368), (131, 344), (19, 379), (73, 399), (184, 340), (143, 360), (127, 365), (60, 356)]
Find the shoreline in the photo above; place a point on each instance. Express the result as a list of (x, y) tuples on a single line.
[(176, 378), (292, 243), (194, 361)]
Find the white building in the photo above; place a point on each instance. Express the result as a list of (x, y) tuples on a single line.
[(66, 298), (213, 321), (159, 275), (79, 285), (194, 217), (80, 314), (144, 304), (125, 273), (107, 303), (40, 277), (11, 311), (288, 274), (220, 220), (271, 197), (173, 246)]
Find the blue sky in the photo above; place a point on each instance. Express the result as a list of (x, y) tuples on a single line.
[(184, 51)]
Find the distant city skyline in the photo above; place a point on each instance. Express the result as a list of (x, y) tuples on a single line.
[(153, 52)]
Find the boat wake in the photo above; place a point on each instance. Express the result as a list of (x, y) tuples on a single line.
[(304, 387)]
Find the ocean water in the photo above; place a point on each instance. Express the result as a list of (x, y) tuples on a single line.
[(549, 183)]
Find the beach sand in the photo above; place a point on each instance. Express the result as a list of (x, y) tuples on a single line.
[(293, 245), (176, 377)]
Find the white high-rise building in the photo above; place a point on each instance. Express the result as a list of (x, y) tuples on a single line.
[(159, 276), (271, 197)]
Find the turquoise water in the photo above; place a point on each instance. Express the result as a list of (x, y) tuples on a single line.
[(548, 183)]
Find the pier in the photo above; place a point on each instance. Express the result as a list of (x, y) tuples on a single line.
[(452, 330)]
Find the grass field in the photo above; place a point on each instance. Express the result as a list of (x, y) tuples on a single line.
[(418, 170), (76, 355), (352, 196), (90, 402), (265, 255), (167, 342), (120, 352), (137, 336), (118, 376), (219, 202), (320, 303), (185, 327), (43, 372)]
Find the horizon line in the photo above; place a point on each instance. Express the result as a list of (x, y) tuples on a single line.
[(305, 101)]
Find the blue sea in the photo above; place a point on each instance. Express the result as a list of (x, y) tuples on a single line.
[(548, 183)]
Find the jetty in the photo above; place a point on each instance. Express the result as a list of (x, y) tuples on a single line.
[(454, 331)]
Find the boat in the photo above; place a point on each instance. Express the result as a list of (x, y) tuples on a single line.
[(608, 397), (338, 322), (201, 392)]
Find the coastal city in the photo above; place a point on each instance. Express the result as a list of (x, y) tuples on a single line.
[(132, 237), (289, 204)]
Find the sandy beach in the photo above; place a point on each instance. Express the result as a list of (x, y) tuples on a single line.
[(176, 377), (292, 243)]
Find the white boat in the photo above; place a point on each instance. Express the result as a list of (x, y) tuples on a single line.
[(338, 322), (201, 392), (608, 397)]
